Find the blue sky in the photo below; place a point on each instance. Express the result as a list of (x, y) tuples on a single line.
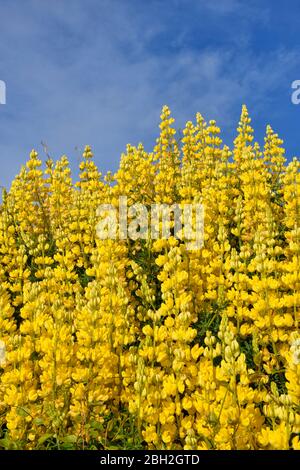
[(98, 72)]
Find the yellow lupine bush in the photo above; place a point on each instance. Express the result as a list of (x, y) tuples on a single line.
[(145, 343)]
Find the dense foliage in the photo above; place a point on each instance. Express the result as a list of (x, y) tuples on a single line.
[(146, 344)]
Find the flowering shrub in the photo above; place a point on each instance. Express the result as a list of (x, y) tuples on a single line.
[(144, 343)]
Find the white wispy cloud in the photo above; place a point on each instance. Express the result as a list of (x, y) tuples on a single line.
[(99, 72)]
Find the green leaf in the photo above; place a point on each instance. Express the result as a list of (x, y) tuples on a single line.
[(71, 439), (44, 438), (8, 444), (38, 421), (22, 412)]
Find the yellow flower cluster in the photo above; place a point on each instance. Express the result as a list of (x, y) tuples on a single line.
[(192, 349)]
